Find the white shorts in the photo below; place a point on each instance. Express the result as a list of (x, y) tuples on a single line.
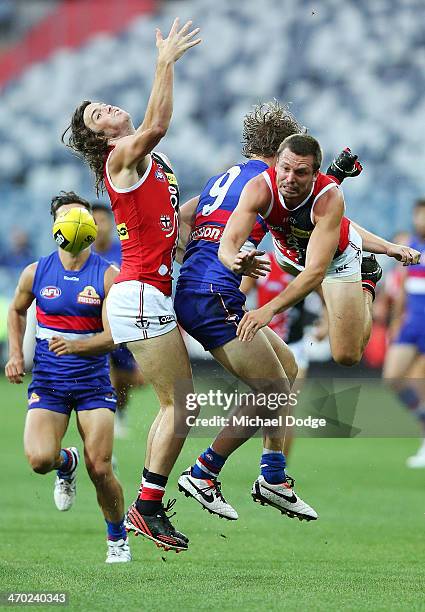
[(137, 311), (345, 268)]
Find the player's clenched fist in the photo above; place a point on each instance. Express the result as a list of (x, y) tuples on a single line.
[(252, 321), (177, 42), (251, 264), (14, 369), (405, 254)]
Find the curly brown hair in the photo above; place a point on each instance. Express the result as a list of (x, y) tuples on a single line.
[(266, 126), (91, 146)]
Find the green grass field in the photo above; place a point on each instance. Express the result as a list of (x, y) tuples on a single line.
[(366, 552)]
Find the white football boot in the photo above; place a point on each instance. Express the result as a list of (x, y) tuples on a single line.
[(66, 488), (418, 460), (118, 552), (283, 497), (208, 493)]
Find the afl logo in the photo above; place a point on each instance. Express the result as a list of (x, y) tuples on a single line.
[(50, 292)]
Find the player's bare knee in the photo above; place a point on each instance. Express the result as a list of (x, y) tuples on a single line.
[(347, 357), (41, 463)]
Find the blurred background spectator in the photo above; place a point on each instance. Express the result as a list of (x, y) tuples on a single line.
[(18, 253)]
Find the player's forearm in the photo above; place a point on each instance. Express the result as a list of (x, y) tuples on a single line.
[(306, 282), (227, 252), (16, 323), (371, 242), (96, 345), (160, 105)]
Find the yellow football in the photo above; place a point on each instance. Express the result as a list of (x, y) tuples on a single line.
[(74, 230)]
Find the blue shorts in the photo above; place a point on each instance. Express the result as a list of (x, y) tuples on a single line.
[(209, 313), (122, 358), (412, 332), (66, 400)]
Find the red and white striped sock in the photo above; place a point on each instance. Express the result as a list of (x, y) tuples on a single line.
[(150, 497)]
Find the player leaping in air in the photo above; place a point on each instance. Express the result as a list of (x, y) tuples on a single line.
[(304, 211), (144, 197), (209, 305)]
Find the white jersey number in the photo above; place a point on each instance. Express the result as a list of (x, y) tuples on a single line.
[(219, 191)]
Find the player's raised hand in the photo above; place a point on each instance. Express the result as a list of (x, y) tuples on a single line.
[(252, 321), (178, 41), (60, 346), (14, 369), (251, 264), (405, 254)]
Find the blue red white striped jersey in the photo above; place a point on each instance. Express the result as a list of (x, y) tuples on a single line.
[(68, 304), (217, 201), (414, 284)]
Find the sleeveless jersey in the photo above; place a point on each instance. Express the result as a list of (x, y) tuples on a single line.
[(291, 228), (217, 201), (68, 304), (289, 324), (147, 219), (414, 284)]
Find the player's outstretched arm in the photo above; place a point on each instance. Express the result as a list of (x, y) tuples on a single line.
[(375, 244), (131, 150), (99, 344), (16, 322), (322, 245), (254, 200)]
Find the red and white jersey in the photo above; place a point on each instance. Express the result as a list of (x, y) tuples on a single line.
[(147, 220), (291, 228)]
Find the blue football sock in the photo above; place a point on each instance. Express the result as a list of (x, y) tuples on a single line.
[(272, 466), (116, 531), (208, 464)]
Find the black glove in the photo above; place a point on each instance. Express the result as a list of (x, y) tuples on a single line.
[(346, 164)]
